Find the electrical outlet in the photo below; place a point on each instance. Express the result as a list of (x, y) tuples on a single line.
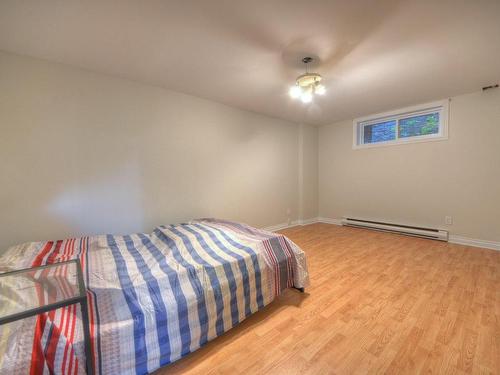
[(448, 220)]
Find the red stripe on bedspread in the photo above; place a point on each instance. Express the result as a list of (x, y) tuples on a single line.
[(65, 324), (92, 327), (38, 260), (70, 340), (37, 356), (62, 325)]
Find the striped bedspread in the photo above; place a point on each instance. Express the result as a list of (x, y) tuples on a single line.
[(153, 298)]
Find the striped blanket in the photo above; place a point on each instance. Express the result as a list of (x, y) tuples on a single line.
[(153, 298)]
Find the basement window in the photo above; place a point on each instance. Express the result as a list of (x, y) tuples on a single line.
[(428, 122)]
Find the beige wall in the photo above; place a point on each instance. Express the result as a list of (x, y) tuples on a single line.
[(308, 172), (84, 153), (420, 183)]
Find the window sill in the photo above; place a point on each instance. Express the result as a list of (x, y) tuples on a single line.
[(400, 142)]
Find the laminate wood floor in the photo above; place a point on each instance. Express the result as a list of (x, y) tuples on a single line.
[(378, 303)]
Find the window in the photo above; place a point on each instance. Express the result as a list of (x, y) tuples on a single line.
[(379, 132), (415, 124)]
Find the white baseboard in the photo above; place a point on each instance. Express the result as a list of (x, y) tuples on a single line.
[(474, 242), (312, 220), (460, 240), (328, 220), (274, 228), (294, 223)]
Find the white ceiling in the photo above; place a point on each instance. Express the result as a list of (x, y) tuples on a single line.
[(375, 55)]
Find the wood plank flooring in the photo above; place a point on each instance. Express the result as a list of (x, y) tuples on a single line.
[(378, 303)]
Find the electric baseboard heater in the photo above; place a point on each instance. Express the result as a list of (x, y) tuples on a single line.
[(430, 233)]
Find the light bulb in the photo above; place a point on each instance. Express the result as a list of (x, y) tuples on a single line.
[(320, 90), (295, 91), (306, 97)]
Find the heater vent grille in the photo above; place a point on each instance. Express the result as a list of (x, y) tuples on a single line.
[(430, 233)]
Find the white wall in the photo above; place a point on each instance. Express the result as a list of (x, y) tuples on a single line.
[(84, 153), (420, 183)]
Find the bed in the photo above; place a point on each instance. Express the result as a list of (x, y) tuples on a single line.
[(153, 298)]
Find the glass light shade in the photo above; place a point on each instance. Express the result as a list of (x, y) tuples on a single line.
[(320, 90), (295, 91), (306, 97)]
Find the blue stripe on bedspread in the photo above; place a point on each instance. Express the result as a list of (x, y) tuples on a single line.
[(214, 281), (141, 355), (235, 318), (241, 264), (155, 295), (195, 282), (255, 262), (180, 299)]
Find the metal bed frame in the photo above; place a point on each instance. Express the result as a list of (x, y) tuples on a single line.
[(81, 299)]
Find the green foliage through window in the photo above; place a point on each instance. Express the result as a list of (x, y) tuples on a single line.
[(419, 125)]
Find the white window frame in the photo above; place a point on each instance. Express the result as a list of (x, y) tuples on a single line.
[(440, 106)]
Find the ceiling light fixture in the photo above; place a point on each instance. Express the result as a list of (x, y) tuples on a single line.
[(307, 85)]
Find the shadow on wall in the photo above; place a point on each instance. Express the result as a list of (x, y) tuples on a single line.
[(112, 203)]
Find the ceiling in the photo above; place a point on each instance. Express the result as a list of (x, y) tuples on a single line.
[(375, 55)]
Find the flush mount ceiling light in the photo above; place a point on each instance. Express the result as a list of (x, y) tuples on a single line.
[(307, 85)]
